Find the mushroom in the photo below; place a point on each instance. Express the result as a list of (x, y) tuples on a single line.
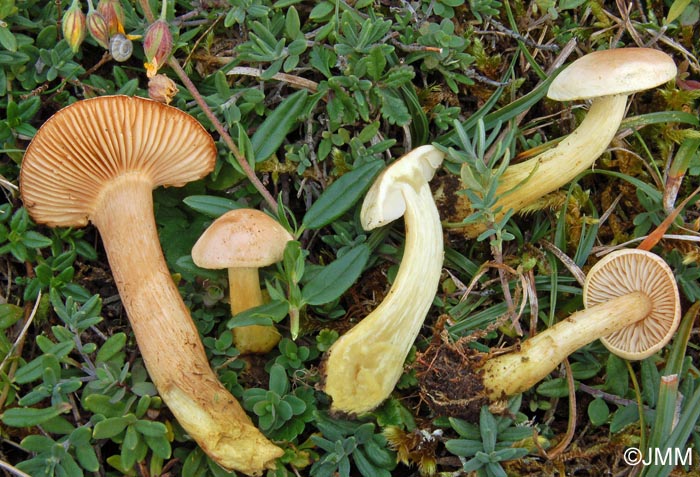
[(244, 240), (363, 366), (605, 77), (631, 304), (98, 160)]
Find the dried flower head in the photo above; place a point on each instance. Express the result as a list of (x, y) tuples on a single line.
[(161, 88)]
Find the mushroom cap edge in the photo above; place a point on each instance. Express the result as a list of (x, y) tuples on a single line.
[(84, 145)]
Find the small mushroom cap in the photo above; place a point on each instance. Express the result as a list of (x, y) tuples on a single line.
[(85, 145), (241, 238), (609, 72), (627, 271), (384, 201)]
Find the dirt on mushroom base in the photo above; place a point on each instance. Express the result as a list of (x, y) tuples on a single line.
[(449, 378)]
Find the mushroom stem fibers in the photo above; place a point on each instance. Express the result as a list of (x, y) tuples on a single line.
[(515, 372), (365, 364), (167, 337)]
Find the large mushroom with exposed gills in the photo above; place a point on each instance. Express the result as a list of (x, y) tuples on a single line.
[(364, 365), (606, 78), (98, 161)]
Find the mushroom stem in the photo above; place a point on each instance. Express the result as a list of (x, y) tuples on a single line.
[(515, 372), (166, 335), (365, 364), (556, 167), (244, 284), (245, 293)]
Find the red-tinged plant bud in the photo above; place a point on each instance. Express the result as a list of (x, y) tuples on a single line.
[(113, 13), (73, 26), (157, 45), (97, 27), (161, 88)]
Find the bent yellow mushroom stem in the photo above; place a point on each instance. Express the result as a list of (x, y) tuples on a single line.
[(632, 305), (364, 365), (607, 78), (98, 160)]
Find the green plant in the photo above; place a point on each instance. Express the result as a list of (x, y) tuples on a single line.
[(484, 447), (282, 413), (346, 443)]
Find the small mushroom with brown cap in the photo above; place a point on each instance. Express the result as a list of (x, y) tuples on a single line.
[(606, 78), (364, 365), (631, 304), (98, 161), (242, 241)]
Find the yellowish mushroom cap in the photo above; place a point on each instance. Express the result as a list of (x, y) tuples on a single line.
[(241, 238), (626, 271), (609, 72), (76, 153)]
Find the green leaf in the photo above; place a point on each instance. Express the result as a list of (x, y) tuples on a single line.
[(321, 10), (554, 388), (341, 195), (393, 107), (292, 24), (266, 314), (29, 416), (464, 447), (110, 427), (675, 11), (35, 368), (150, 428), (337, 277), (7, 39), (376, 62), (272, 132), (111, 347), (211, 206), (9, 315), (598, 412), (617, 379)]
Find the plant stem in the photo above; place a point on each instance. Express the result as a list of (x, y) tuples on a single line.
[(187, 82)]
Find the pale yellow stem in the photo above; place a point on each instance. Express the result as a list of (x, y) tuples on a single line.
[(245, 293), (515, 372), (166, 335), (365, 364), (558, 166)]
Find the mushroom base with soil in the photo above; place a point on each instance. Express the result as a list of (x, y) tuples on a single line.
[(644, 314)]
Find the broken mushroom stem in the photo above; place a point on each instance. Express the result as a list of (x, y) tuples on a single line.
[(364, 365)]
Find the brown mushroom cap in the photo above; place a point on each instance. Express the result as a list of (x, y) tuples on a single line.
[(625, 271), (609, 72), (241, 238), (84, 145)]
